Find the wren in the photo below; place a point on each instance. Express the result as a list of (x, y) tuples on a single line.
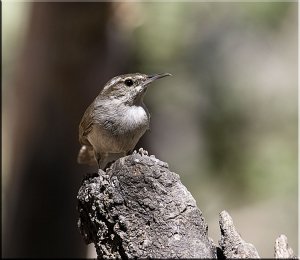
[(115, 121)]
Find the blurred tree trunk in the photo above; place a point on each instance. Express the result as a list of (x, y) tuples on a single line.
[(67, 57)]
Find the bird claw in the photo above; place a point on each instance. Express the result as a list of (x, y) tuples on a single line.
[(143, 152)]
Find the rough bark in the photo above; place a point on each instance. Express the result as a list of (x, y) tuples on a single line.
[(139, 208), (232, 245), (282, 249)]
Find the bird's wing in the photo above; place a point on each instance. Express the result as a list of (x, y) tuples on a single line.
[(86, 125)]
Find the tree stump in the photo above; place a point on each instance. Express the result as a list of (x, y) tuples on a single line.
[(138, 208)]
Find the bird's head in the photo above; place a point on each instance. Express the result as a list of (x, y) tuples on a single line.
[(129, 88)]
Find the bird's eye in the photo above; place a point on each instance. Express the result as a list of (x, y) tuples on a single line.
[(128, 82)]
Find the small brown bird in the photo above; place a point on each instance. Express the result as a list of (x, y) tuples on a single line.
[(113, 124)]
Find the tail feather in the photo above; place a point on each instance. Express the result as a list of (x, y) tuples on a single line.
[(86, 156)]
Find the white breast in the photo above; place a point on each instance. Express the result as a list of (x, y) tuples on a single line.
[(135, 116)]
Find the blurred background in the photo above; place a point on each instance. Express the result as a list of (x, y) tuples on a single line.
[(226, 121)]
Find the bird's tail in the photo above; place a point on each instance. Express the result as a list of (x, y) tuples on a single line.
[(86, 156)]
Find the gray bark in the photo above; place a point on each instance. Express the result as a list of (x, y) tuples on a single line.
[(139, 208), (282, 249), (233, 246)]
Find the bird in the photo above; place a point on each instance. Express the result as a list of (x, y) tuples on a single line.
[(115, 121)]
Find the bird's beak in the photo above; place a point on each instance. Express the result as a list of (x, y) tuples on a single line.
[(154, 77)]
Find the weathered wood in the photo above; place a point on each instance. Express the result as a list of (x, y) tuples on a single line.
[(139, 208), (232, 245), (282, 249)]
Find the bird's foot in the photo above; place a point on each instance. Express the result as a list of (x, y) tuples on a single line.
[(143, 152)]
